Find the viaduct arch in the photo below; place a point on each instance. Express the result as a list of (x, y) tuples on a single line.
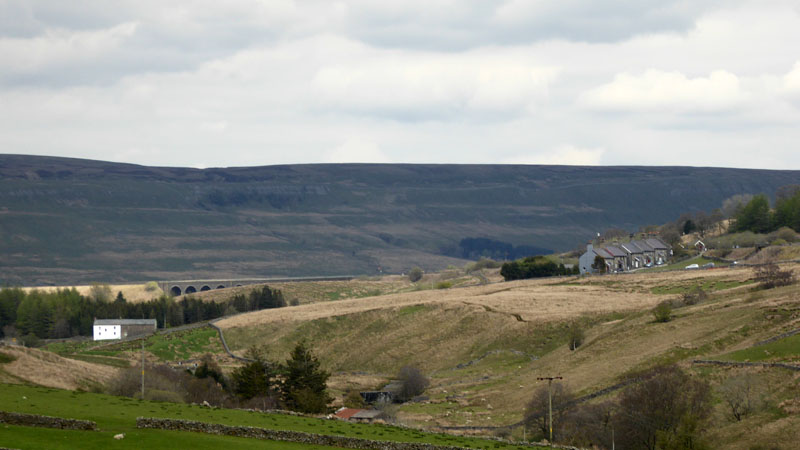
[(184, 287)]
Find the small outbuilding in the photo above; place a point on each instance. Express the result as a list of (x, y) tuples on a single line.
[(106, 329)]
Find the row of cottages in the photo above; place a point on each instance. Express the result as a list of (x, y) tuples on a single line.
[(627, 256)]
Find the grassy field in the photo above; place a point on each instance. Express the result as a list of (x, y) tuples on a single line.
[(118, 415), (484, 346)]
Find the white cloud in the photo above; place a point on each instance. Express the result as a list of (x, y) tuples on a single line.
[(656, 90), (566, 155), (57, 47), (791, 81), (422, 86)]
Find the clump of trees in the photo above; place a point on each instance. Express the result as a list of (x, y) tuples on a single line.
[(65, 312), (664, 408), (534, 267), (298, 384), (757, 216)]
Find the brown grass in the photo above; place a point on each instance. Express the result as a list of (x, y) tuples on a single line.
[(533, 300), (48, 369), (133, 293)]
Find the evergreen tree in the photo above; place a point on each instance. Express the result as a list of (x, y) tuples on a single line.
[(258, 378), (755, 216), (305, 383)]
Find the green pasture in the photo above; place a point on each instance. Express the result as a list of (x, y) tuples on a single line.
[(118, 415)]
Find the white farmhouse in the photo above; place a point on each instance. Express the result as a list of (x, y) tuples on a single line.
[(105, 329)]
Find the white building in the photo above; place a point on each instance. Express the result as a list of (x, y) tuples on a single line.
[(105, 329)]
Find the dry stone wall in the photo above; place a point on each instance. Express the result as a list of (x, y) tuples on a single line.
[(35, 420), (286, 436)]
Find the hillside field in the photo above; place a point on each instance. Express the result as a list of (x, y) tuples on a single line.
[(484, 345)]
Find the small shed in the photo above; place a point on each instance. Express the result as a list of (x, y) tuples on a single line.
[(105, 329), (368, 415)]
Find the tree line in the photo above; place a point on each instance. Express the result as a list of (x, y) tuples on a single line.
[(757, 216), (65, 312), (534, 267), (297, 384)]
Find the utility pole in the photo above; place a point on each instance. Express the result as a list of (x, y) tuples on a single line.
[(142, 369), (550, 400)]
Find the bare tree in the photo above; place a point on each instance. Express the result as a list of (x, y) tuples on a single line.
[(742, 395), (667, 408), (731, 205), (536, 412)]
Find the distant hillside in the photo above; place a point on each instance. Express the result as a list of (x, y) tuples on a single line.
[(71, 221)]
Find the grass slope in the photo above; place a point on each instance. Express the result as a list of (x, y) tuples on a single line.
[(484, 361), (118, 415)]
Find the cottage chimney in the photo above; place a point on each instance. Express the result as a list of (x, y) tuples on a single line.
[(589, 247)]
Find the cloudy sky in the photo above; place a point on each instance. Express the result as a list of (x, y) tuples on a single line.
[(247, 82)]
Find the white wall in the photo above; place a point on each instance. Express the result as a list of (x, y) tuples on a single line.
[(103, 332)]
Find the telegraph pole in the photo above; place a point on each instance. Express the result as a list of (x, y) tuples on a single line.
[(550, 400), (142, 369)]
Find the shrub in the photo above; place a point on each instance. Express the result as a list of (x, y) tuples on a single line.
[(778, 242), (30, 340), (576, 336), (444, 285), (412, 383), (294, 302), (415, 274), (151, 286), (694, 296), (770, 276), (663, 312)]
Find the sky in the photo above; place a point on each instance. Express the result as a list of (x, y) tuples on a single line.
[(207, 83)]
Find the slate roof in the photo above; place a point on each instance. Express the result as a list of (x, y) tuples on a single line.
[(631, 248), (644, 246), (125, 322), (615, 251), (603, 253), (656, 243)]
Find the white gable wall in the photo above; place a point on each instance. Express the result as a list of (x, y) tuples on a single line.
[(103, 332)]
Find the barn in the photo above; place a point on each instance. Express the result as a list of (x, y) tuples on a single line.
[(105, 329)]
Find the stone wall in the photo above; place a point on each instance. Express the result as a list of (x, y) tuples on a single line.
[(286, 436), (35, 420), (745, 364)]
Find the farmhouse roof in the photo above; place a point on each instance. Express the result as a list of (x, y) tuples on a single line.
[(346, 413), (125, 322), (367, 414)]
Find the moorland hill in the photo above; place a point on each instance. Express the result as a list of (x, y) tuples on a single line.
[(70, 221)]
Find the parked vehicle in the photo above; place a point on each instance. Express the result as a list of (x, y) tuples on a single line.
[(710, 265), (692, 266)]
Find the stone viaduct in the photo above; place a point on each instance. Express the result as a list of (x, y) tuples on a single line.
[(181, 287)]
